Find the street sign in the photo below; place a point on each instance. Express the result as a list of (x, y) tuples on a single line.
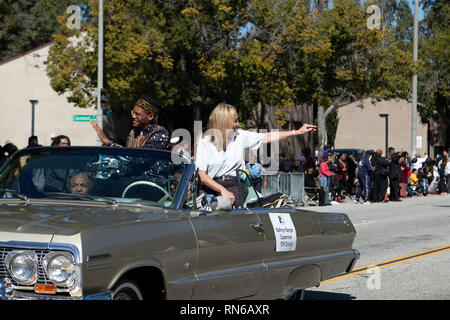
[(84, 117)]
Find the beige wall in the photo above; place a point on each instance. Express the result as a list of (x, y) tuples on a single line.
[(25, 78), (363, 128)]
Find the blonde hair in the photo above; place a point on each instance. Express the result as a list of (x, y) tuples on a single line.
[(220, 121)]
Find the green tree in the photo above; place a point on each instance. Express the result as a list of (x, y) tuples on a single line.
[(196, 53), (27, 24), (135, 59), (184, 53), (433, 81), (344, 61)]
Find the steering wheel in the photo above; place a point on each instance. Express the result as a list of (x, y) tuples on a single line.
[(150, 184)]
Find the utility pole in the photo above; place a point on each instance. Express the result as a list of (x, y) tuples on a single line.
[(414, 84), (386, 134), (100, 68)]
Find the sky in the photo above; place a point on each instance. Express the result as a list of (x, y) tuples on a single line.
[(411, 4)]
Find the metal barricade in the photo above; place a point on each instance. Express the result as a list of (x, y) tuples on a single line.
[(289, 183)]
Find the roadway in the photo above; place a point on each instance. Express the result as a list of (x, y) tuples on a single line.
[(405, 251)]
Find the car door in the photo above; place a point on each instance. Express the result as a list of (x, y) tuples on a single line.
[(230, 254), (291, 237)]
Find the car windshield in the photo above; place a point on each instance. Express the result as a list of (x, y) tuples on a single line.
[(117, 175)]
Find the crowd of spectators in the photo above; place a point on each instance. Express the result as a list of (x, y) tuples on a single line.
[(370, 176), (366, 177), (10, 148)]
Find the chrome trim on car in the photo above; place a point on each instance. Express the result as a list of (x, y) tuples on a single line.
[(305, 260), (232, 272), (30, 254), (24, 244), (7, 291), (44, 245), (352, 265), (97, 296), (98, 257), (41, 249), (67, 247)]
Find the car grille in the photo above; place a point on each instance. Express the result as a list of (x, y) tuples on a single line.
[(42, 277)]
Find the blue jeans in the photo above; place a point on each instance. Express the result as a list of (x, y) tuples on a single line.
[(423, 187), (324, 184), (364, 184)]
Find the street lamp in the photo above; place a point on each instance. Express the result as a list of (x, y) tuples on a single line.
[(33, 102), (386, 120), (100, 68)]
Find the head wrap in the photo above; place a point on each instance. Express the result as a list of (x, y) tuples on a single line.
[(149, 105)]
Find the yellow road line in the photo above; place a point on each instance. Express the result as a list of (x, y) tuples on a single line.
[(391, 262)]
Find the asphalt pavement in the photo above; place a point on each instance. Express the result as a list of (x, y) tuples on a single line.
[(405, 251)]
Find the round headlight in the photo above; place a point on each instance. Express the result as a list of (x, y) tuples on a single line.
[(58, 266), (22, 265)]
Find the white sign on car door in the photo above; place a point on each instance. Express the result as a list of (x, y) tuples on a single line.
[(284, 229)]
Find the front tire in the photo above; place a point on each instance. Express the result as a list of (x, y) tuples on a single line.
[(127, 290), (299, 295)]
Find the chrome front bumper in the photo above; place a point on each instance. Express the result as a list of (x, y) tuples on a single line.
[(8, 292)]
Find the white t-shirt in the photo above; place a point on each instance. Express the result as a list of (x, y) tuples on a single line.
[(224, 163)]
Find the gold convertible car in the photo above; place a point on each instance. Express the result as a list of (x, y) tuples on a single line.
[(122, 223)]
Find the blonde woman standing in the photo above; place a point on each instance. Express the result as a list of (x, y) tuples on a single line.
[(221, 151)]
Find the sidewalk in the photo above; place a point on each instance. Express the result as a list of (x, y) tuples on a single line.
[(377, 206), (350, 200)]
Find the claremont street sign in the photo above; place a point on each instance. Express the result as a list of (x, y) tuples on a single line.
[(84, 117)]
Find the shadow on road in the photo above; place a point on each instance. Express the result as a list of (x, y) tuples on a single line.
[(324, 295)]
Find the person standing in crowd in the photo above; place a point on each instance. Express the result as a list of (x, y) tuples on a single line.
[(284, 162), (364, 172), (333, 183), (33, 142), (220, 153), (351, 173), (395, 177), (341, 175), (302, 164), (447, 175), (60, 141), (443, 176), (444, 170), (145, 134), (310, 162), (380, 176), (324, 179), (423, 176), (391, 152), (405, 173)]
